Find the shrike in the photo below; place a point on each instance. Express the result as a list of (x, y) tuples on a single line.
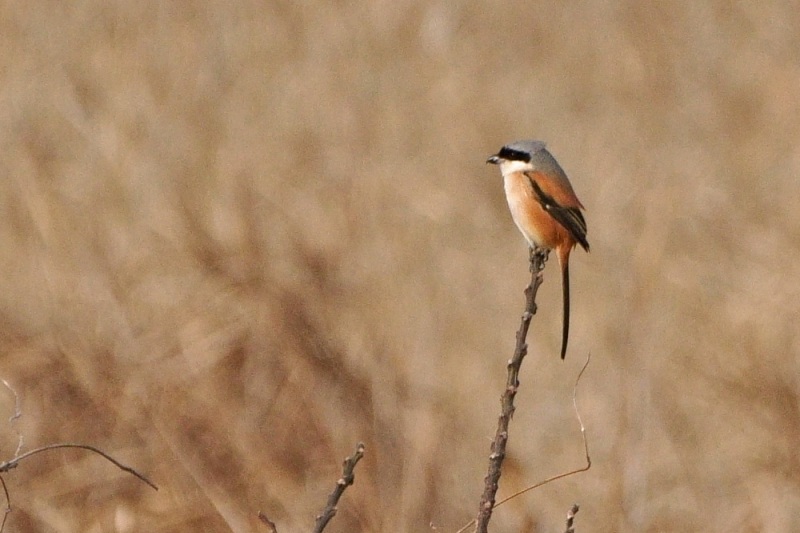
[(544, 206)]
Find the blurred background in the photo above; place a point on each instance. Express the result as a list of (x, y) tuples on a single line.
[(237, 238)]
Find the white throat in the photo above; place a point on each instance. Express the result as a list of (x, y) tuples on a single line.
[(509, 167)]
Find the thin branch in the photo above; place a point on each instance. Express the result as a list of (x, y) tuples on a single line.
[(7, 466), (345, 481), (266, 520), (571, 518), (538, 257), (13, 418), (8, 504), (13, 463), (583, 436), (566, 474)]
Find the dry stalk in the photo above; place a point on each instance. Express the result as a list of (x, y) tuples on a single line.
[(538, 258)]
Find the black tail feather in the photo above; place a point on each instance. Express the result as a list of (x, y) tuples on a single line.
[(565, 286)]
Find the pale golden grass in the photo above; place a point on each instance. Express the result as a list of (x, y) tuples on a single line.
[(237, 239)]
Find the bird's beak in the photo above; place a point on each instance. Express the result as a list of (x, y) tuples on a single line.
[(493, 160)]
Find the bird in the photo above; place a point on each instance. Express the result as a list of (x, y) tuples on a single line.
[(544, 207)]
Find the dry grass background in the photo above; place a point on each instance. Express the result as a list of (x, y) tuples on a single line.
[(235, 239)]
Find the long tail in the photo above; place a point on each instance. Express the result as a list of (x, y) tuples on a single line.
[(565, 286)]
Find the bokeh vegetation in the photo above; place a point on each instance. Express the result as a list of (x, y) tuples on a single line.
[(235, 239)]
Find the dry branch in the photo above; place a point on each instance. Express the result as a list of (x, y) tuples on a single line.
[(538, 258), (270, 524), (583, 437), (14, 417), (564, 474), (7, 466), (571, 518), (345, 481), (13, 463)]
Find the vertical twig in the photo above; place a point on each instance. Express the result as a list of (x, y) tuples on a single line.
[(7, 510), (571, 518), (345, 481), (583, 438), (14, 417), (538, 257), (265, 520)]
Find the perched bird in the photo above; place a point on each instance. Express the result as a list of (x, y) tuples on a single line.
[(544, 206)]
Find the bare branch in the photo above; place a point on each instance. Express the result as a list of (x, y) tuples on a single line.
[(571, 518), (17, 408), (266, 520), (7, 466), (345, 481), (13, 418), (583, 436), (7, 510), (13, 463), (538, 257)]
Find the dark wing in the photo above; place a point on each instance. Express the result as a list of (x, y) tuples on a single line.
[(569, 217)]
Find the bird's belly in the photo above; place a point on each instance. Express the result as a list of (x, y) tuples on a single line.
[(528, 215)]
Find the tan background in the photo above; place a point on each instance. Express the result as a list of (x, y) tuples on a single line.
[(237, 239)]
